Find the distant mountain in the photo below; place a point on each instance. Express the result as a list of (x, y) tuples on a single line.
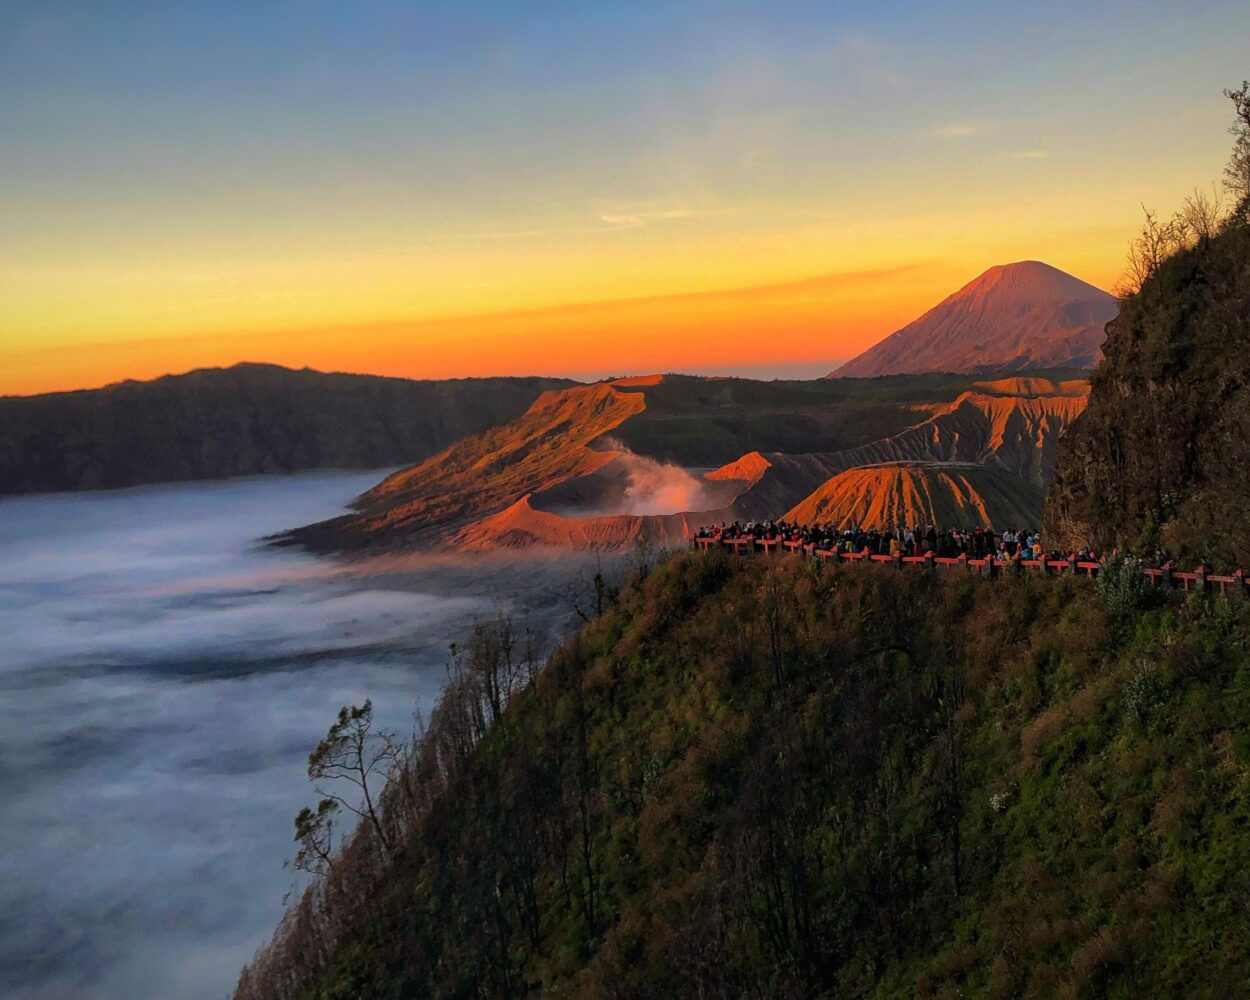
[(950, 494), (1012, 425), (1012, 318), (246, 420), (592, 465)]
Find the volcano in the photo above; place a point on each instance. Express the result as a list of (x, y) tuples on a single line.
[(1013, 317), (955, 495)]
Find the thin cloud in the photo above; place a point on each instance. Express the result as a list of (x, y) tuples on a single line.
[(632, 220), (958, 131), (1029, 154), (505, 234)]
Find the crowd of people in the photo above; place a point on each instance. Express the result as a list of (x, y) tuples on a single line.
[(975, 543)]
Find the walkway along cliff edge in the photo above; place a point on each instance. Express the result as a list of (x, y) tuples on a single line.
[(1196, 580)]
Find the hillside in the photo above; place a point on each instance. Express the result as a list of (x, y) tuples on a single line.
[(484, 474), (1160, 457), (760, 777), (241, 421), (524, 526), (1011, 318), (710, 421), (580, 454), (1012, 425), (952, 495)]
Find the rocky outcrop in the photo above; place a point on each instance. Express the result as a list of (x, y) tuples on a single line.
[(1161, 456)]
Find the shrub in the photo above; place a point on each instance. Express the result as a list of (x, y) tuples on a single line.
[(1145, 693), (1124, 587)]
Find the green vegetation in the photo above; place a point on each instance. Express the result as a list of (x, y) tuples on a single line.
[(242, 421), (778, 779)]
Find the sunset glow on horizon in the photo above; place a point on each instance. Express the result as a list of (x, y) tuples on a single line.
[(579, 190)]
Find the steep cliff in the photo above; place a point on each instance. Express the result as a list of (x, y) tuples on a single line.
[(1161, 456)]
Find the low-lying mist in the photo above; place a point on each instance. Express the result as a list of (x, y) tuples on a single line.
[(162, 680)]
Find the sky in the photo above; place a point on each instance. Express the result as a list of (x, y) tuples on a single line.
[(438, 190)]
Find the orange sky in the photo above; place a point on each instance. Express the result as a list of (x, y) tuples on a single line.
[(514, 191), (791, 329)]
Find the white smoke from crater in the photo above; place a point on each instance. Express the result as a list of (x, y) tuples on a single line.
[(653, 487)]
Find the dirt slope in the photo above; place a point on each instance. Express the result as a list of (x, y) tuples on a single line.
[(523, 526), (947, 494), (484, 474)]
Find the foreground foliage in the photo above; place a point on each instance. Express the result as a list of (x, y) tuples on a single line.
[(766, 778)]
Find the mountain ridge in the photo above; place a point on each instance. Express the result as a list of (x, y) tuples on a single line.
[(249, 419), (1027, 314), (561, 473), (1012, 425)]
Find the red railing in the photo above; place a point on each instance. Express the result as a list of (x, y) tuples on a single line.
[(1190, 580)]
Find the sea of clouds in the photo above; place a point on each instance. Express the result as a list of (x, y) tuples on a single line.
[(162, 680)]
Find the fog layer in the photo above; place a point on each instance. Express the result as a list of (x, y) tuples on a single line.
[(162, 680)]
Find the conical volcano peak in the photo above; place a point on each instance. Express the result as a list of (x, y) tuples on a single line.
[(1011, 317), (1031, 281)]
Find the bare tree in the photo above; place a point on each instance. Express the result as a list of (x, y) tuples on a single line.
[(642, 557), (1237, 173), (589, 598), (351, 754), (1154, 244), (1201, 214)]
